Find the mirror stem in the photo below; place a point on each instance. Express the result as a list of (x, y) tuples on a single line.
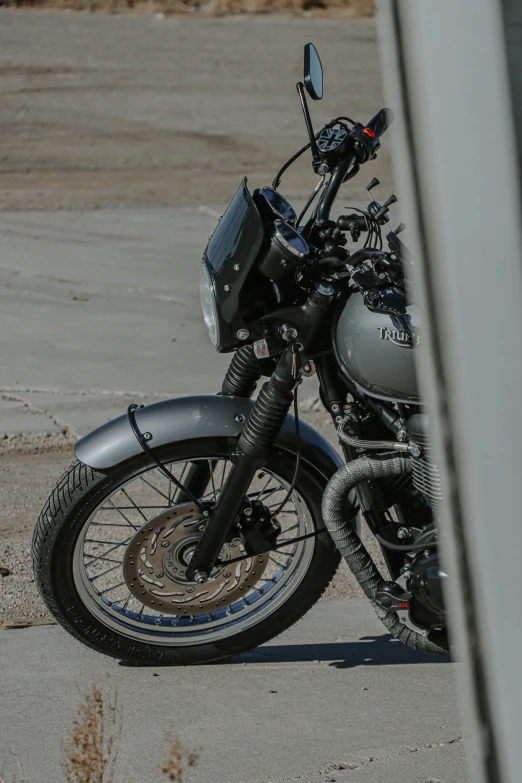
[(313, 143)]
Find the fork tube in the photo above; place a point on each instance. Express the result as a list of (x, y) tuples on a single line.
[(259, 433), (240, 381)]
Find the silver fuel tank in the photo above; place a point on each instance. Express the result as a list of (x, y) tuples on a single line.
[(374, 350)]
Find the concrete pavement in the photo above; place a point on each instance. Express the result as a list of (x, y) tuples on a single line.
[(98, 310), (101, 309), (334, 698)]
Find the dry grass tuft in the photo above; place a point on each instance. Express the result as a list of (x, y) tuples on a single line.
[(357, 8), (21, 771), (90, 746), (177, 760)]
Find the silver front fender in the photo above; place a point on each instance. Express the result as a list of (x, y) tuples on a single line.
[(189, 418)]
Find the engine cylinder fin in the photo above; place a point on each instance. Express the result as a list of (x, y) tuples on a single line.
[(426, 477)]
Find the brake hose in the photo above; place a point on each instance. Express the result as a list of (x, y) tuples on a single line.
[(142, 438)]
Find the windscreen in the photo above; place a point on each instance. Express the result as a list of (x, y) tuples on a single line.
[(238, 236)]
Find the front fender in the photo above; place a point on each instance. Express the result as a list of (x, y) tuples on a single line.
[(188, 418)]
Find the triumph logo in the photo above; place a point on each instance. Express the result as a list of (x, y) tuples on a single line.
[(399, 337)]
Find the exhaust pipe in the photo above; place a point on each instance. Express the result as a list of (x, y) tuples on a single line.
[(338, 515)]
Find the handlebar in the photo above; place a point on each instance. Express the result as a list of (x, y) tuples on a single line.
[(336, 180), (381, 122), (365, 142)]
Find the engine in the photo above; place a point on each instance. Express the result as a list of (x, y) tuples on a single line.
[(425, 581), (425, 472), (425, 586), (419, 592)]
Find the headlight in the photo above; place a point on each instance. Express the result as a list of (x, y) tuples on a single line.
[(208, 304)]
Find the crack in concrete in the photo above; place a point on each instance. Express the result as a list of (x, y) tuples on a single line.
[(83, 392), (37, 276), (84, 286), (364, 761), (66, 430)]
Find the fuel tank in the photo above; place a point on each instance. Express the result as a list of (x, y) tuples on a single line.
[(375, 351)]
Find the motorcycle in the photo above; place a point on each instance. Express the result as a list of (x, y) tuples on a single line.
[(194, 529)]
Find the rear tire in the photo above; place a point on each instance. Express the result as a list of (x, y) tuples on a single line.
[(68, 512)]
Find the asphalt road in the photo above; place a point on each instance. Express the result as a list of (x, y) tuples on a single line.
[(332, 699)]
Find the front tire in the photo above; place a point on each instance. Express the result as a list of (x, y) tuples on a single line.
[(78, 552)]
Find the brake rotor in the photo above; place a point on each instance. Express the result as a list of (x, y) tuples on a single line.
[(156, 560)]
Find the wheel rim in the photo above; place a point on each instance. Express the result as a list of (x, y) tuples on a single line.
[(100, 552)]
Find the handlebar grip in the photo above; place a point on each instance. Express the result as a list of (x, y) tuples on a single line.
[(381, 122)]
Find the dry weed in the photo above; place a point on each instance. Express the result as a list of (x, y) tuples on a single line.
[(90, 746), (20, 767), (357, 8), (177, 760)]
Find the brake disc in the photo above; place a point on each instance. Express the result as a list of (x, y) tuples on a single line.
[(156, 560)]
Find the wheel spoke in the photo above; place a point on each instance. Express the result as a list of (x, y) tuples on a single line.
[(142, 498), (269, 479), (108, 571), (129, 508), (286, 554), (223, 474), (99, 557), (171, 485), (123, 515), (124, 600), (281, 565), (102, 556), (124, 491), (108, 589), (211, 467), (163, 495)]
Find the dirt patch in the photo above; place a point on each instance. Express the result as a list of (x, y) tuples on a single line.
[(356, 8), (135, 111)]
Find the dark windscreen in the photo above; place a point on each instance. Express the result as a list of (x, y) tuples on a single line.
[(238, 236)]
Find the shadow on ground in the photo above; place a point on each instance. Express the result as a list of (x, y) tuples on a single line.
[(367, 651)]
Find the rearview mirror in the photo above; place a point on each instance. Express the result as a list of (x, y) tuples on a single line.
[(313, 72)]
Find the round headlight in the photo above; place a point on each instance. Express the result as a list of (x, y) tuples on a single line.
[(208, 304)]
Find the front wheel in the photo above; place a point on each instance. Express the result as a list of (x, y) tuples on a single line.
[(110, 553)]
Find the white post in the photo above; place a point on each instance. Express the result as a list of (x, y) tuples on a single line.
[(457, 170)]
